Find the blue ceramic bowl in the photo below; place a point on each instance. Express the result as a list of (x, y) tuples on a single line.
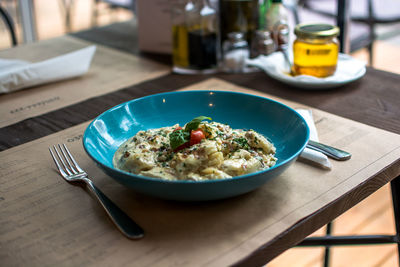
[(282, 125)]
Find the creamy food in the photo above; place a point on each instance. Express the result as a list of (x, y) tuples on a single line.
[(210, 150)]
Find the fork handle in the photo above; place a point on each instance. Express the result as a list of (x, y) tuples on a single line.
[(123, 222)]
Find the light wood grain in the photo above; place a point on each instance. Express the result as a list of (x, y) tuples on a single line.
[(110, 70), (250, 229)]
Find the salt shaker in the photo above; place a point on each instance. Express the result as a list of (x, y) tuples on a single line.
[(235, 52)]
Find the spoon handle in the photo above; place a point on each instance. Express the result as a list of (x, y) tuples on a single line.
[(332, 152), (287, 60)]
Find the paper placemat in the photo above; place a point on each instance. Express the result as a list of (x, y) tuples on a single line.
[(110, 70), (46, 221)]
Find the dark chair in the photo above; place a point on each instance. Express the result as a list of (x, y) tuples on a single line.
[(9, 24), (365, 15)]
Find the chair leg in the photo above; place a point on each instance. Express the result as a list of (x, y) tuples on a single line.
[(395, 186), (10, 25), (371, 53), (328, 248), (371, 32), (343, 22), (328, 240), (293, 6)]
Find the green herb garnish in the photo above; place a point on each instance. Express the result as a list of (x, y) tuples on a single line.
[(242, 142), (182, 136)]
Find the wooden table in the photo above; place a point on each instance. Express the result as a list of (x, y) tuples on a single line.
[(375, 101)]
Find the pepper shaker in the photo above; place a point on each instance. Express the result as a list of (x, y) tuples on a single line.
[(263, 44)]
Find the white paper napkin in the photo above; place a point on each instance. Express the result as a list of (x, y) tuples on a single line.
[(348, 69), (309, 154), (19, 74)]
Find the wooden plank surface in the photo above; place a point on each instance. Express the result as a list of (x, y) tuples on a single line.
[(110, 70), (249, 230), (373, 100)]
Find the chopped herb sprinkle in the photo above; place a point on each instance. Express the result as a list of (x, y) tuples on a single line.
[(169, 153)]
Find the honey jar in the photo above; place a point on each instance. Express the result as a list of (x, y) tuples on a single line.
[(316, 49)]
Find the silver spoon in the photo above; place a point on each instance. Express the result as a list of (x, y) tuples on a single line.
[(281, 30), (287, 59), (331, 152)]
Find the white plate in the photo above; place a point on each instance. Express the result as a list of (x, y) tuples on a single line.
[(348, 70)]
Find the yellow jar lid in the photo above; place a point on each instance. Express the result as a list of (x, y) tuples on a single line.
[(316, 30)]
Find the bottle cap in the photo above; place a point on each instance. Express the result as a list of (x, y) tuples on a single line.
[(316, 30)]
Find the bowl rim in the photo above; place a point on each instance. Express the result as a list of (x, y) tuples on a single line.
[(158, 180)]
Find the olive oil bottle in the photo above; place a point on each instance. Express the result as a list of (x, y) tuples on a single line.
[(180, 54), (195, 38), (183, 15)]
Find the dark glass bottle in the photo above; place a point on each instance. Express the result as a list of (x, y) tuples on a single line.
[(203, 39), (238, 16)]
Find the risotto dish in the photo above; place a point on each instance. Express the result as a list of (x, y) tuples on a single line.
[(200, 150)]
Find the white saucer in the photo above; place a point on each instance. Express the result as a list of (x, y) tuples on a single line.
[(348, 70)]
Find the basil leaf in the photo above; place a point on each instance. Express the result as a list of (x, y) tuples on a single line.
[(178, 138), (194, 124)]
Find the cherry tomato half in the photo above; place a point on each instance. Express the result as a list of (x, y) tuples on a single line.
[(196, 136)]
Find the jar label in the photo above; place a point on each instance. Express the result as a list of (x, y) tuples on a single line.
[(318, 52)]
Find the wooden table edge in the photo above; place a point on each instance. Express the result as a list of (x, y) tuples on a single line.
[(301, 229)]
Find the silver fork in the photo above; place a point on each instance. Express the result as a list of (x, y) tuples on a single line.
[(71, 172)]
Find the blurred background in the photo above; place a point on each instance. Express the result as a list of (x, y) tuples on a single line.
[(57, 17), (373, 216)]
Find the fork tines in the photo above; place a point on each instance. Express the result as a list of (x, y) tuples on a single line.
[(71, 172), (64, 161)]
